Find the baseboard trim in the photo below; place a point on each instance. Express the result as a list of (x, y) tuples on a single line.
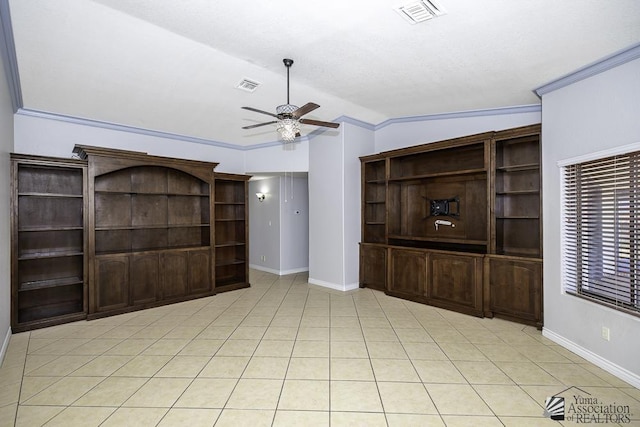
[(5, 345), (612, 368), (334, 286), (278, 272)]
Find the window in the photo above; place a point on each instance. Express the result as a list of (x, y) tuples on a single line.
[(601, 231)]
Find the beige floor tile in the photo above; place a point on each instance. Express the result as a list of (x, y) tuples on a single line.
[(216, 332), (62, 346), (405, 398), (346, 334), (8, 415), (394, 370), (274, 348), (344, 322), (257, 320), (374, 322), (351, 369), (283, 321), (360, 419), (59, 367), (30, 416), (305, 395), (65, 391), (101, 366), (36, 344), (501, 353), (416, 335), (438, 371), (349, 349), (113, 391), (301, 418), (379, 334), (313, 334), (142, 366), (280, 333), (386, 350), (245, 418), (482, 373), (527, 373), (224, 367), (308, 368), (97, 346), (311, 349), (481, 337), (248, 333), (190, 417), (445, 335), (266, 367), (35, 361), (207, 393), (9, 393), (238, 348), (158, 393), (412, 420), (183, 367), (80, 417), (457, 399), (201, 348), (508, 400), (462, 351), (131, 347), (184, 332), (355, 396), (467, 420), (255, 394), (34, 385), (143, 417), (573, 374), (538, 421), (165, 347), (155, 332), (541, 353)]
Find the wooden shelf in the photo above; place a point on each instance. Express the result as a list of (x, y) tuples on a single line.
[(151, 227), (375, 202), (151, 193), (441, 240), (439, 175), (518, 168), (139, 251), (230, 203), (55, 195), (375, 223), (220, 263), (376, 181), (51, 283), (518, 193), (229, 244), (49, 254), (519, 217), (49, 228)]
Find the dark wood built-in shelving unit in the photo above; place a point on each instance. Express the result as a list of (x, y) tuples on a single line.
[(116, 230), (486, 259)]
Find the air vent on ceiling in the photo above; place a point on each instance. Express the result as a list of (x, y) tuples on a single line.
[(247, 85), (419, 11)]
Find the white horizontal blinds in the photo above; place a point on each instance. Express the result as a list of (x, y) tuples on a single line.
[(601, 230)]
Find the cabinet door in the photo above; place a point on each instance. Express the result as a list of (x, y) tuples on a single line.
[(456, 281), (373, 267), (174, 274), (516, 288), (112, 282), (199, 271), (144, 278), (407, 272)]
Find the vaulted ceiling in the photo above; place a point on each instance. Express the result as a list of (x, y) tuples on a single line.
[(173, 66)]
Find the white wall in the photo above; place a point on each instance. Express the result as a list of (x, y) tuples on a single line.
[(264, 225), (599, 113), (446, 126), (50, 137), (6, 146), (279, 158)]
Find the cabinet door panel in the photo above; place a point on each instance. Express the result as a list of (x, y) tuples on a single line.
[(516, 288), (199, 272), (174, 274), (112, 277), (456, 279), (407, 272), (144, 278), (373, 267)]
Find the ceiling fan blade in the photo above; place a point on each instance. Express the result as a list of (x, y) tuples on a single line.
[(306, 108), (259, 124), (319, 123), (259, 111)]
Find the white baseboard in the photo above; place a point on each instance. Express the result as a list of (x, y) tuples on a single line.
[(5, 345), (612, 368), (278, 272), (334, 286)]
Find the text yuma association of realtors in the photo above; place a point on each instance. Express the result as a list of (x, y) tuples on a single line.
[(591, 410)]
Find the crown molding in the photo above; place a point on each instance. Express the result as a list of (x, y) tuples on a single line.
[(531, 108), (608, 62), (8, 54)]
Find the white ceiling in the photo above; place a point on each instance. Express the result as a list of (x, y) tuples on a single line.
[(172, 66)]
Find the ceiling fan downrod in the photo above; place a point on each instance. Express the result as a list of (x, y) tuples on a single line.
[(287, 63)]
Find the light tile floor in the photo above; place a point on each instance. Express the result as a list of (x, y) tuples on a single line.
[(286, 353)]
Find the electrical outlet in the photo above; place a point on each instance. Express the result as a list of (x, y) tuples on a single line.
[(264, 258), (606, 333)]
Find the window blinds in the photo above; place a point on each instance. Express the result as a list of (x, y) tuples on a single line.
[(601, 230)]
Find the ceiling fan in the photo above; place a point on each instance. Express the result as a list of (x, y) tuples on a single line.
[(289, 116)]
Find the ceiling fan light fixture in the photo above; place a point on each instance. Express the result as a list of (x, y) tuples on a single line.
[(288, 129)]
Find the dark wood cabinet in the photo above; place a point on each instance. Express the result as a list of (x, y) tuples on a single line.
[(373, 266), (110, 286), (48, 242), (445, 211)]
